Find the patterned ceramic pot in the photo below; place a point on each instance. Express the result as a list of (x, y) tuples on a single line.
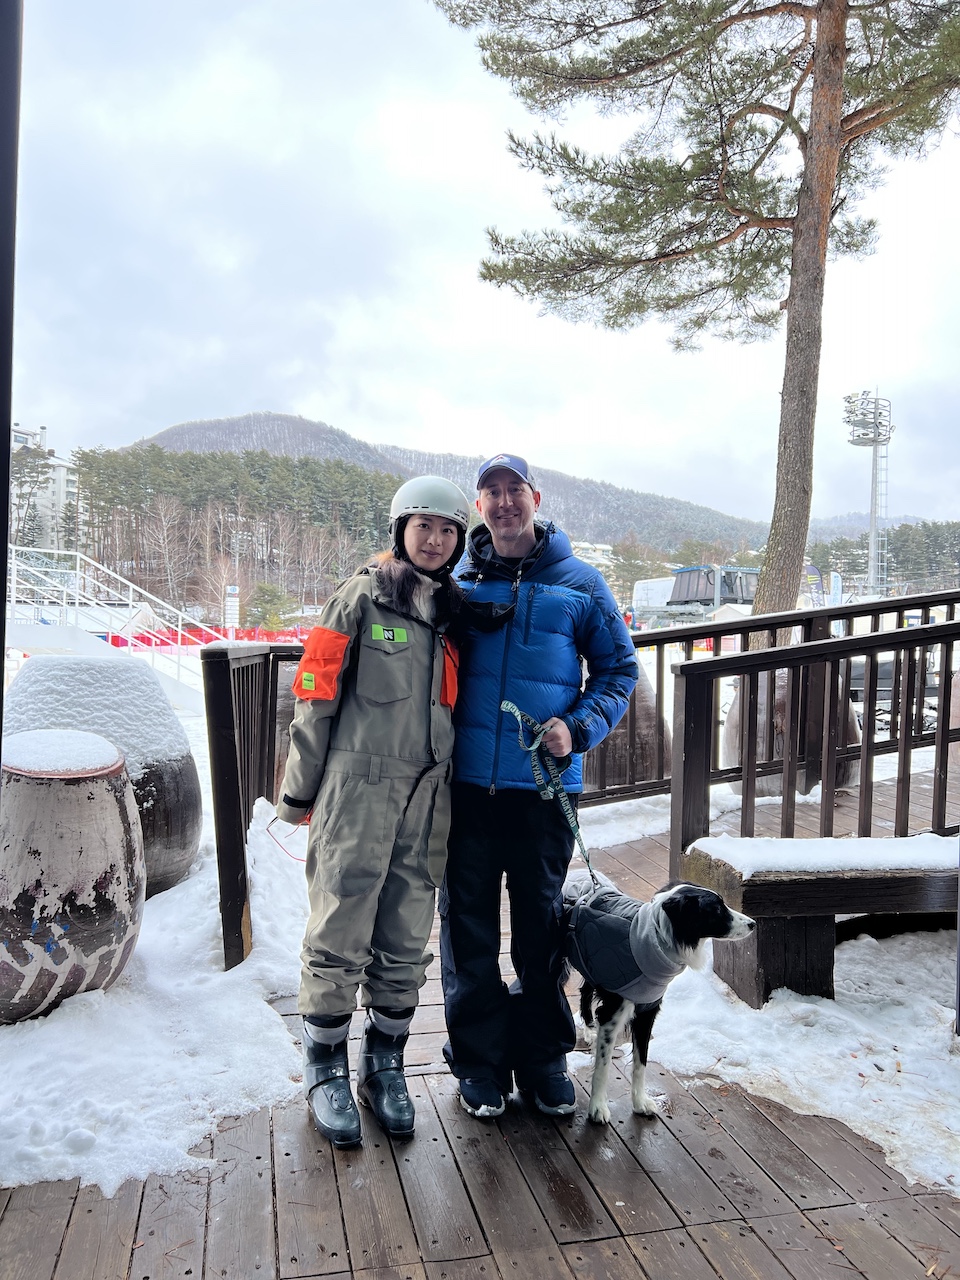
[(72, 873)]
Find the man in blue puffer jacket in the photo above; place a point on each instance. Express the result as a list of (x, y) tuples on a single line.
[(532, 616)]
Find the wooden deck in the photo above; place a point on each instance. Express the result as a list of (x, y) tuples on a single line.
[(721, 1185)]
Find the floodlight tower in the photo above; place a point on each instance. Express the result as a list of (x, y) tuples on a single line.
[(868, 418)]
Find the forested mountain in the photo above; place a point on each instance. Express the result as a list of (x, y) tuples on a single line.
[(589, 510), (186, 523), (280, 434), (594, 511), (851, 525)]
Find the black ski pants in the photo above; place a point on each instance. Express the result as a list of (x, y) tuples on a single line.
[(526, 1030)]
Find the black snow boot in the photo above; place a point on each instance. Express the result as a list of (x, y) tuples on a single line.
[(380, 1081), (326, 1082)]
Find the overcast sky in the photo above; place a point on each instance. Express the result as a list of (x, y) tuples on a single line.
[(280, 204)]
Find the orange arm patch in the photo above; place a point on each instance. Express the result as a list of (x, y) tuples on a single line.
[(451, 667), (320, 665)]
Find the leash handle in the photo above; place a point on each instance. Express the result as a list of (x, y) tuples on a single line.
[(540, 760)]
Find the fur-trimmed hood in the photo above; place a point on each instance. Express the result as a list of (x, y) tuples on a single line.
[(400, 586)]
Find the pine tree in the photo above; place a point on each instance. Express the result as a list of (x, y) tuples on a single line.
[(757, 128), (29, 475)]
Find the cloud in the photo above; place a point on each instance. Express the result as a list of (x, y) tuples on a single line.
[(282, 205)]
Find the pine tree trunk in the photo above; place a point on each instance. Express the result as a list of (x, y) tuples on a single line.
[(780, 580)]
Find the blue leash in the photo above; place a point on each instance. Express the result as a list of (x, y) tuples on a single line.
[(544, 763)]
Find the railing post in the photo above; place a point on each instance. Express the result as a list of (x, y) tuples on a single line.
[(749, 694), (230, 824), (692, 740), (868, 734), (828, 752), (812, 721)]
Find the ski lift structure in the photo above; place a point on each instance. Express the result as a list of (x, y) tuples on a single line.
[(699, 591)]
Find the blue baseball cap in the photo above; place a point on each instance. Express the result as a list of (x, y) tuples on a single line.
[(507, 462)]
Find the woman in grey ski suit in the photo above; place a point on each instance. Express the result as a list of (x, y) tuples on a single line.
[(370, 750)]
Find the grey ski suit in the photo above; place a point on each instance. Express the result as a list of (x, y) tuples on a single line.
[(370, 748)]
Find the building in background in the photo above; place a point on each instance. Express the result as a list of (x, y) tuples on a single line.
[(43, 492), (599, 554)]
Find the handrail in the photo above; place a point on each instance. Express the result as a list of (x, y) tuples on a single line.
[(244, 688), (636, 758), (132, 591), (45, 577), (814, 619), (913, 723)]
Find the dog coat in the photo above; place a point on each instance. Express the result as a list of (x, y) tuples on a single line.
[(613, 942)]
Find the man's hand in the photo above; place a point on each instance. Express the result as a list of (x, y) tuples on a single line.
[(557, 738)]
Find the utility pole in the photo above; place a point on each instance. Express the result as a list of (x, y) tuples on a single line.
[(869, 420), (11, 41)]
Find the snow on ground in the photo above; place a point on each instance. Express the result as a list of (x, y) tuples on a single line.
[(123, 1083), (882, 1057)]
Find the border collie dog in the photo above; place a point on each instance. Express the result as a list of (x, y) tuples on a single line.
[(627, 953)]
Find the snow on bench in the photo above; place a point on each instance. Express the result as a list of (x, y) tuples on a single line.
[(795, 889)]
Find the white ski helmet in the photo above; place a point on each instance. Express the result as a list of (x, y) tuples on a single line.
[(429, 496)]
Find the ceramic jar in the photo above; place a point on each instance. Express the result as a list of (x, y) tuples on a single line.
[(72, 873)]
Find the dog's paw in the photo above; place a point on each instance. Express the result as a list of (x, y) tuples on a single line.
[(644, 1105), (598, 1112)]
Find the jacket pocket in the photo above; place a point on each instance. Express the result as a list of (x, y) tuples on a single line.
[(385, 671), (351, 826), (432, 862)]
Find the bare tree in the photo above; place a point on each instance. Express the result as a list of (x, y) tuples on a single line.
[(170, 541), (316, 569)]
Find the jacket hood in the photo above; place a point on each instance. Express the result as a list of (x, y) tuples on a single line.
[(481, 560), (617, 943), (399, 585)]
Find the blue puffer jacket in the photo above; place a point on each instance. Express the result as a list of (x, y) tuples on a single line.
[(564, 612)]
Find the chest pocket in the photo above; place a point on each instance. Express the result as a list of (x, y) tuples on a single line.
[(547, 611), (385, 668)]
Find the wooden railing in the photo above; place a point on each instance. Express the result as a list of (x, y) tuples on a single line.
[(243, 688), (249, 707), (774, 684), (636, 759)]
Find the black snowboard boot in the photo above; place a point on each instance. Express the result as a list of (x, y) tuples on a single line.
[(326, 1082), (380, 1081)]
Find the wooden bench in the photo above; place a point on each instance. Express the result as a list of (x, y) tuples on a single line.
[(796, 908)]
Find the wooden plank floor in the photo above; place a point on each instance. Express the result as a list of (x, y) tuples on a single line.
[(721, 1185)]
